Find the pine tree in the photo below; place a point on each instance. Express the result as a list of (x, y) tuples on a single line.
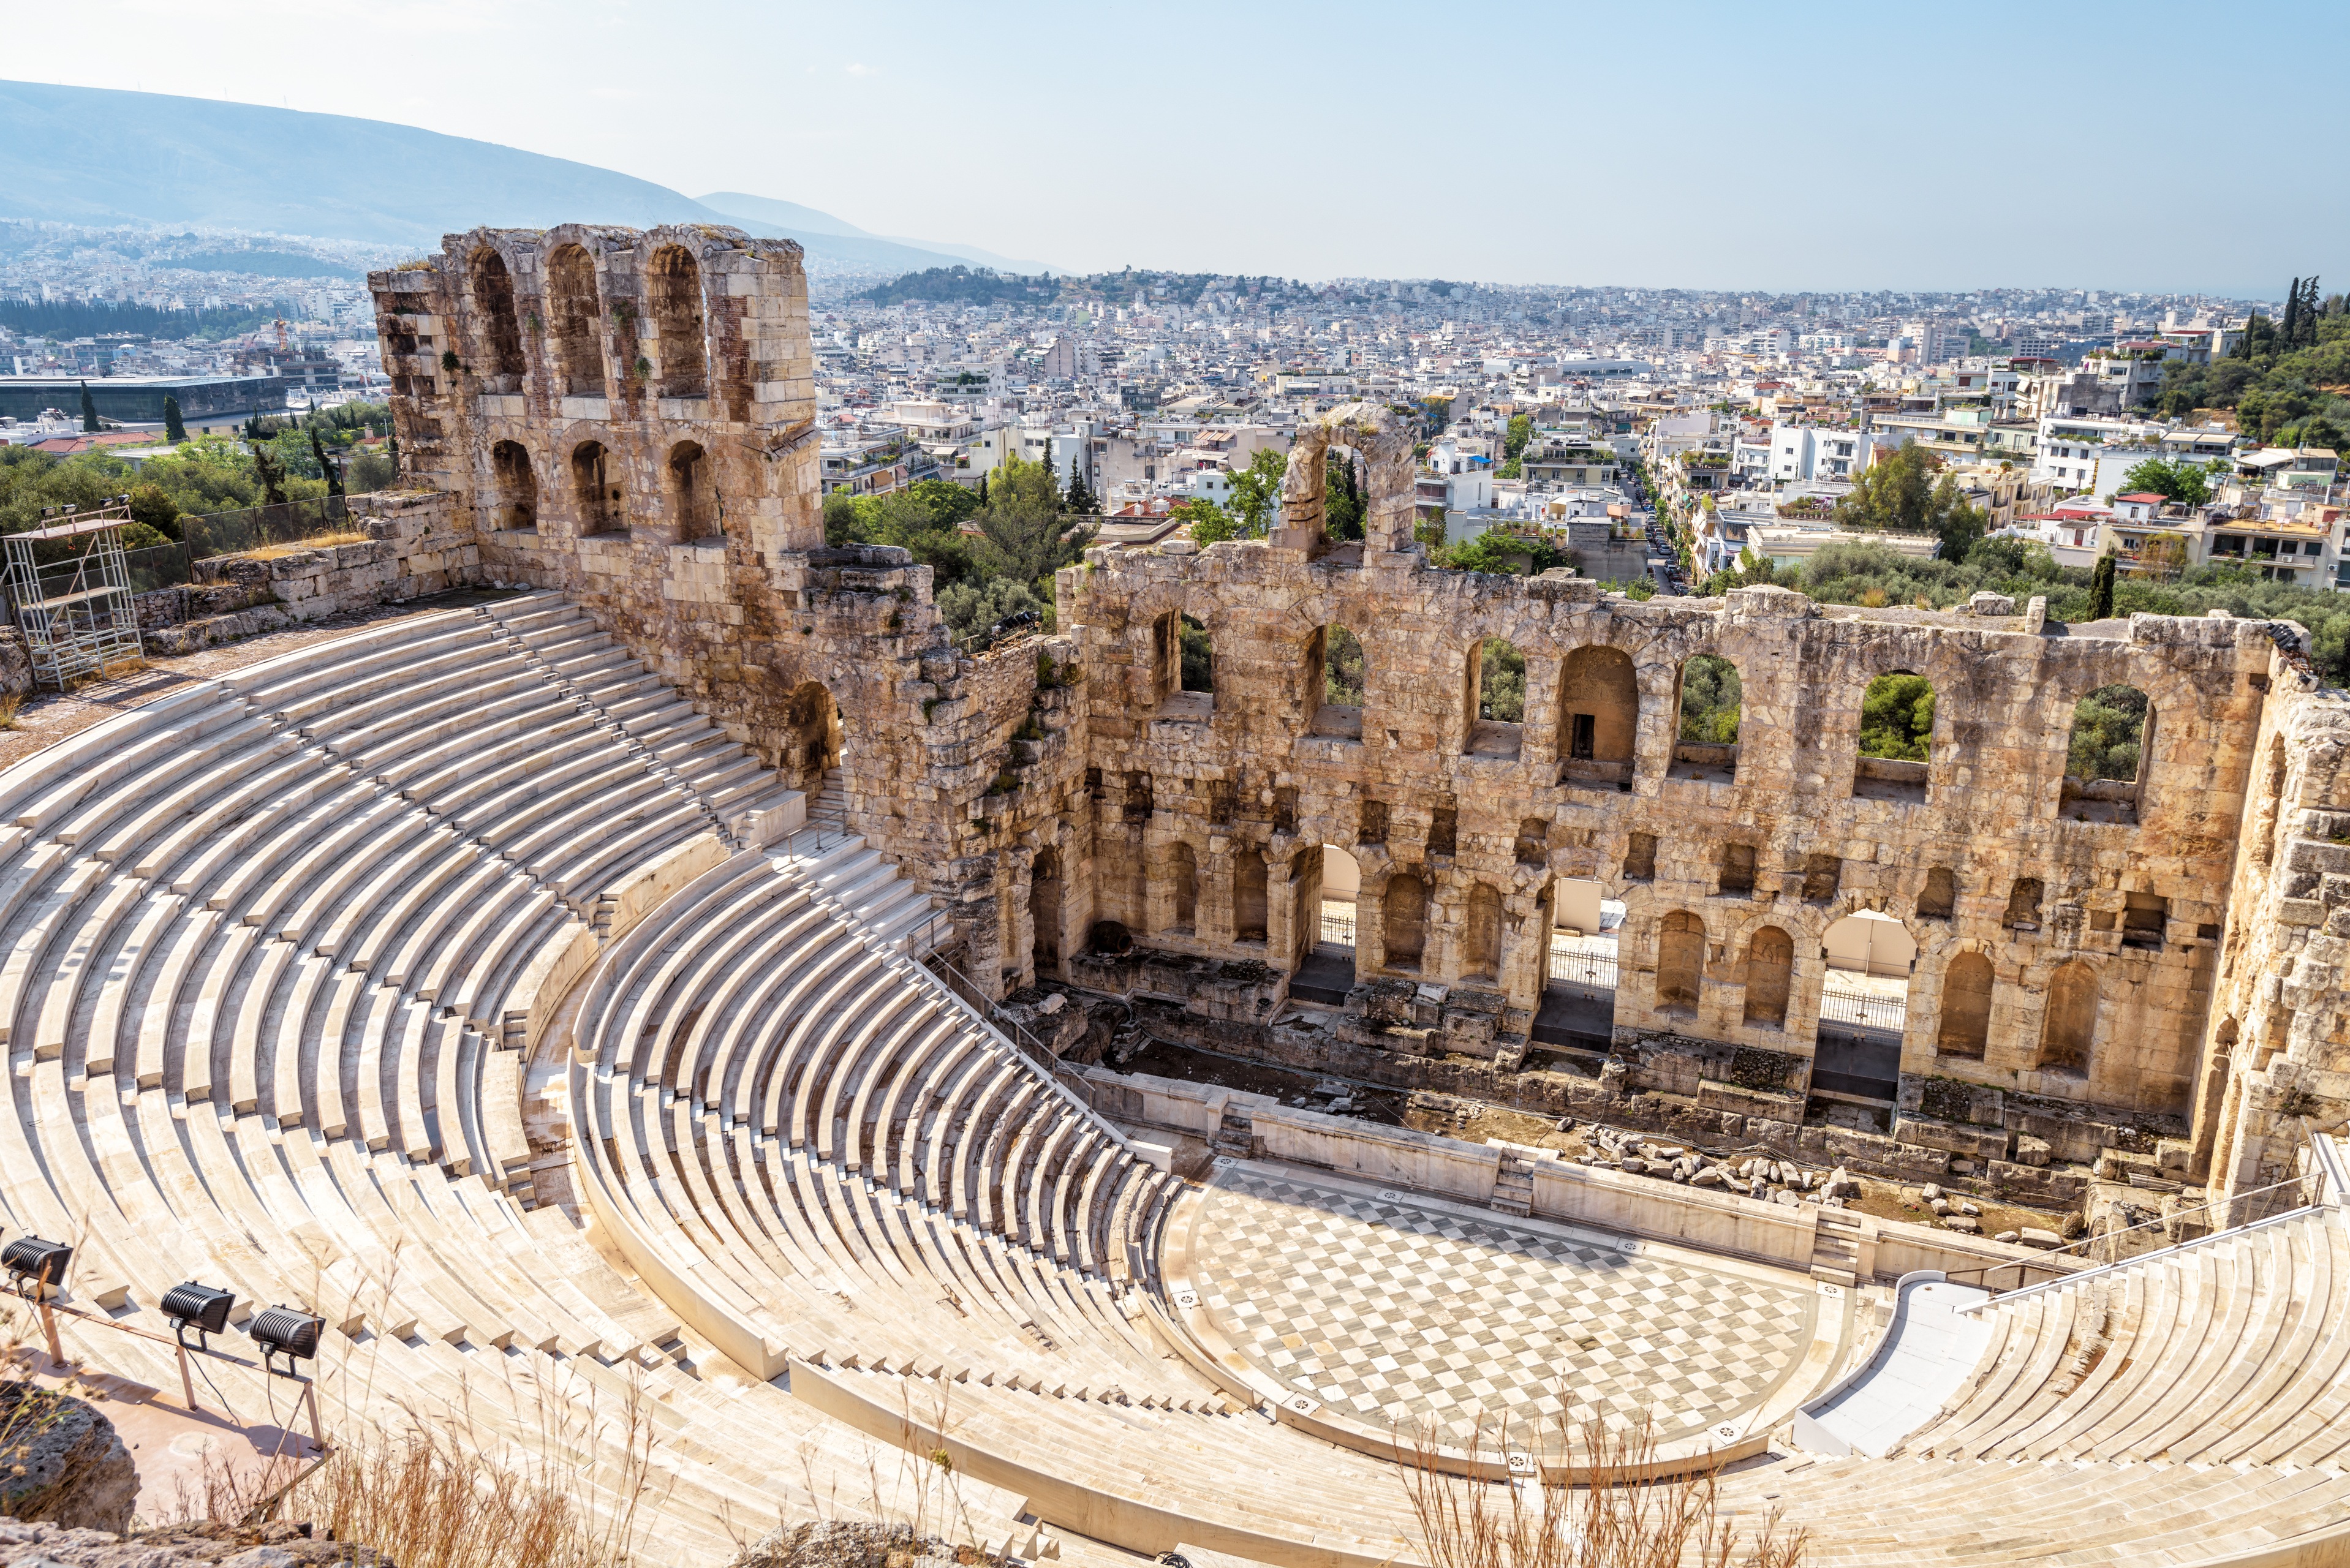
[(2101, 589), (175, 429), (325, 464), (1082, 500), (89, 409)]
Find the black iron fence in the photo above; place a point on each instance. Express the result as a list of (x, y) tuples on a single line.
[(1844, 1002), (232, 533)]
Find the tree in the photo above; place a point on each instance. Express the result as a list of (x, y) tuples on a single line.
[(2108, 726), (1342, 514), (1023, 532), (325, 466), (1081, 499), (174, 430), (1900, 495), (1897, 718), (2101, 589), (272, 475), (969, 608), (1256, 492), (982, 490), (1209, 522), (158, 511), (2176, 479), (1521, 431), (89, 409), (1502, 552)]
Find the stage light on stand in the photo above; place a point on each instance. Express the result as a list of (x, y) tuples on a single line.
[(282, 1331), (204, 1308), (34, 1266)]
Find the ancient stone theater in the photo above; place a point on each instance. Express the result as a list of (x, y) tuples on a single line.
[(647, 971)]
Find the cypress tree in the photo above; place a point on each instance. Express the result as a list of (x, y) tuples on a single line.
[(174, 430), (982, 490), (2292, 313), (89, 409), (318, 450), (2101, 589)]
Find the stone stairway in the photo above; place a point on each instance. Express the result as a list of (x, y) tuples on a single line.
[(1513, 1184), (1236, 1133), (1836, 1247)]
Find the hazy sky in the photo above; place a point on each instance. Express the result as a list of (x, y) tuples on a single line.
[(2144, 145)]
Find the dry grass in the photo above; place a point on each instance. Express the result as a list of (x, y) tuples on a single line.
[(1631, 1522), (11, 705), (319, 542)]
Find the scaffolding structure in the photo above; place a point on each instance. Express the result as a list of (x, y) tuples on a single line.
[(77, 613)]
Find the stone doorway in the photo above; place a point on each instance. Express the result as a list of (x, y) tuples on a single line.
[(1325, 971), (1578, 1012)]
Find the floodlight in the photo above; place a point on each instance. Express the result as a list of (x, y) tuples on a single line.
[(204, 1308), (34, 1265), (282, 1331)]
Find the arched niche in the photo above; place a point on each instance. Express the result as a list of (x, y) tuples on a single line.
[(1250, 904), (692, 494), (1770, 976), (1680, 961), (1480, 946), (674, 283), (515, 485), (1045, 905), (575, 337), (1963, 1030), (1182, 889), (2068, 1025), (1493, 698), (1403, 923), (1896, 738), (812, 742), (597, 497), (1598, 718), (498, 351), (2107, 755), (1710, 701)]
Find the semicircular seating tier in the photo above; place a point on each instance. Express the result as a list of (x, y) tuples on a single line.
[(272, 943)]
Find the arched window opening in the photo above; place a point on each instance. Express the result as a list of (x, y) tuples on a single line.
[(2023, 905), (1327, 884), (1183, 890), (1896, 738), (1404, 920), (1864, 1004), (1964, 1030), (1769, 974), (1250, 911), (500, 351), (2070, 1027), (693, 496), (1940, 902), (1480, 955), (1495, 698), (675, 279), (1598, 719), (1199, 657), (1680, 961), (2105, 759), (1337, 677), (812, 738), (1578, 1010), (1705, 746), (596, 491), (1044, 910), (574, 318), (516, 503)]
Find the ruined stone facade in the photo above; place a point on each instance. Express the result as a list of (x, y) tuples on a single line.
[(629, 416)]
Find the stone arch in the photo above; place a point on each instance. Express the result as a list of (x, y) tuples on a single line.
[(1403, 920), (1680, 961), (813, 740), (674, 283), (1598, 716), (2107, 755), (515, 486), (1493, 697), (598, 497), (692, 494), (1384, 443), (1183, 889), (1480, 948), (574, 323), (1250, 897), (1770, 976), (499, 349), (1709, 701), (1045, 903), (2068, 1027), (1963, 1031)]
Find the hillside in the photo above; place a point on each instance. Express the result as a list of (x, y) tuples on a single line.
[(103, 157)]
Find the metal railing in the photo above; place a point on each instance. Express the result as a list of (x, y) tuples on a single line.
[(1581, 966), (2074, 1277), (256, 528), (1338, 924), (1848, 1004)]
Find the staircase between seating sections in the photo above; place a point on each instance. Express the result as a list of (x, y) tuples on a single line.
[(1513, 1184)]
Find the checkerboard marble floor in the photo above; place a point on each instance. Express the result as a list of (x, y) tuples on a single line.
[(1430, 1321)]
